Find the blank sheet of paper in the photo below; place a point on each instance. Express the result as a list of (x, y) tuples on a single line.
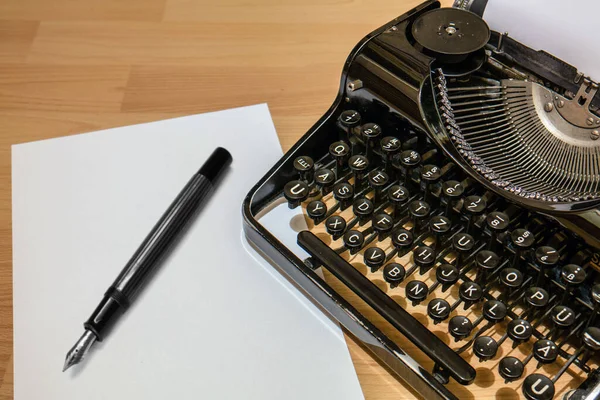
[(214, 323)]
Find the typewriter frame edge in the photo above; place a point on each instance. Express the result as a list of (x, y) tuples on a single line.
[(370, 338)]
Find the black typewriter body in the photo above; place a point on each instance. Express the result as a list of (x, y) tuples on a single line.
[(435, 196)]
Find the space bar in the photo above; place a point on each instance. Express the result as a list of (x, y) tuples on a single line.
[(430, 344)]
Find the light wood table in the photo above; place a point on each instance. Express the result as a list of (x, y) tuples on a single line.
[(73, 66)]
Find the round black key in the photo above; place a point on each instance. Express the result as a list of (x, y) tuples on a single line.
[(374, 258), (304, 166), (563, 316), (511, 368), (409, 159), (545, 351), (402, 239), (474, 205), (390, 145), (460, 327), (316, 210), (538, 387), (546, 256), (358, 163), (418, 210), (335, 225), (519, 330), (522, 239), (494, 310), (591, 338), (439, 225), (510, 277), (463, 243), (324, 179), (354, 240), (363, 208), (485, 348), (394, 274), (370, 130), (339, 151), (537, 297), (573, 275), (383, 224), (431, 173), (424, 257), (343, 192), (438, 310), (397, 195), (451, 191), (446, 275), (378, 179), (497, 221), (596, 293), (416, 291), (487, 260), (470, 292), (295, 192), (350, 118)]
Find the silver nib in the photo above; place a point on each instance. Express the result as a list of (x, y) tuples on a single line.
[(77, 352)]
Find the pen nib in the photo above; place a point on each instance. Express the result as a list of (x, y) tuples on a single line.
[(77, 352)]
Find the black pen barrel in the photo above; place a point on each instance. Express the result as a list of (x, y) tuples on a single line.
[(147, 257)]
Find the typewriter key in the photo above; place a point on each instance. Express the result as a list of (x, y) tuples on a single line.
[(358, 164), (521, 240), (536, 299), (486, 261), (430, 175), (473, 207), (562, 317), (463, 244), (408, 160), (343, 192), (390, 146), (335, 226), (295, 192), (324, 180), (394, 274), (538, 387), (418, 210), (374, 258), (595, 294), (340, 152), (545, 351), (485, 348), (382, 225), (494, 311), (497, 222), (424, 258), (370, 132), (363, 209), (402, 241), (519, 330), (438, 310), (397, 195), (377, 181), (416, 291), (572, 275), (510, 368), (470, 293), (511, 278), (446, 275), (451, 192), (304, 166), (348, 121), (354, 241), (439, 226), (546, 257), (460, 327), (316, 210)]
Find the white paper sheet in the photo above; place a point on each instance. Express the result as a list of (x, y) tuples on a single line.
[(565, 29), (212, 324)]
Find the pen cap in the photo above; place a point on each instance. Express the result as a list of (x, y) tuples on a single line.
[(218, 161)]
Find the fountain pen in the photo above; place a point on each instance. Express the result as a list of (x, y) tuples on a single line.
[(144, 261)]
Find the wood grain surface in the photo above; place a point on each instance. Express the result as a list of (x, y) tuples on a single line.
[(73, 66)]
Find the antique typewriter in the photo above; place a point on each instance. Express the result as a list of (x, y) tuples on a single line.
[(452, 201)]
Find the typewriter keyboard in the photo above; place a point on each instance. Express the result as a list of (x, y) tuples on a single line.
[(478, 290)]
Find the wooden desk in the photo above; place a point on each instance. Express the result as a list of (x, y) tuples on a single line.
[(73, 66)]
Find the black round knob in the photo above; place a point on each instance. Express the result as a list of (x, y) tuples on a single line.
[(545, 351), (486, 261), (390, 145), (316, 210), (394, 274), (343, 192), (519, 330), (563, 316), (408, 160), (545, 258), (382, 225), (358, 164), (349, 119), (463, 244), (473, 206), (438, 310), (304, 167), (397, 196), (522, 239), (511, 368), (451, 192), (402, 240), (446, 275), (460, 327), (340, 152), (537, 297), (324, 180), (363, 208), (494, 310), (573, 275), (485, 348), (354, 240), (497, 223), (377, 181), (591, 338), (416, 291), (470, 292), (439, 225), (335, 226), (418, 210), (430, 175), (596, 294), (511, 278), (374, 258), (424, 258), (370, 132), (295, 192), (538, 387)]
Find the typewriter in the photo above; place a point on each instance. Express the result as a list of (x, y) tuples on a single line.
[(451, 197)]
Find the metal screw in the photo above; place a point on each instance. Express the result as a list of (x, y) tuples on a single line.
[(590, 121), (561, 104), (549, 107), (595, 135)]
